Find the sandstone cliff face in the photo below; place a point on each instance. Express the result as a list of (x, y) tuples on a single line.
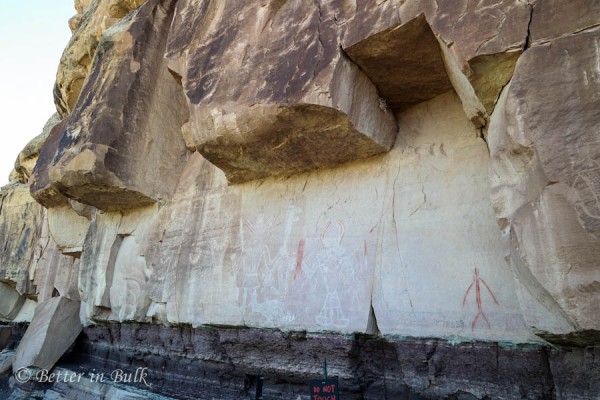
[(397, 168), (545, 171)]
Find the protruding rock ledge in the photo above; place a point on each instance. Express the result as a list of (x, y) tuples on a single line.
[(263, 141), (270, 139), (121, 146), (264, 104), (404, 62)]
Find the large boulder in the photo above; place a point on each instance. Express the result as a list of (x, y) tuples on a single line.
[(259, 103), (53, 329)]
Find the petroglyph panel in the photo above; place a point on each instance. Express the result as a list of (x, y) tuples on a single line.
[(442, 268), (272, 254), (316, 251)]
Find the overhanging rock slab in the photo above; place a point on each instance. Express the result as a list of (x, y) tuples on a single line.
[(121, 146), (404, 62), (263, 103)]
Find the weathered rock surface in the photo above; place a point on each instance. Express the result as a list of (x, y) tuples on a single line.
[(31, 264), (247, 111), (54, 328), (27, 158), (221, 363), (21, 236), (42, 190), (241, 255), (5, 334), (552, 19), (323, 168), (68, 229), (546, 155), (94, 17), (484, 57), (259, 103), (441, 154), (11, 301), (121, 147), (404, 62)]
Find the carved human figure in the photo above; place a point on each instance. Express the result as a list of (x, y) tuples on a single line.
[(329, 270), (260, 273)]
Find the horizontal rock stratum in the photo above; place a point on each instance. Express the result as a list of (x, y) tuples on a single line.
[(371, 182)]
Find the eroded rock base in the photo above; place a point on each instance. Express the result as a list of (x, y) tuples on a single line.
[(223, 363)]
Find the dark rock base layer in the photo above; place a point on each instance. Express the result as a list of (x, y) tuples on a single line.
[(223, 363)]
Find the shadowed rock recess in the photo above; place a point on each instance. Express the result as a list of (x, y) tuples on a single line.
[(407, 189)]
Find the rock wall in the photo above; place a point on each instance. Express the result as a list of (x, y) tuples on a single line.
[(389, 168)]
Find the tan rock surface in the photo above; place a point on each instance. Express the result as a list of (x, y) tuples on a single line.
[(82, 5), (31, 260), (259, 103), (68, 229), (442, 265), (54, 327), (306, 253), (546, 172), (116, 149), (28, 156), (21, 222), (229, 163), (93, 18)]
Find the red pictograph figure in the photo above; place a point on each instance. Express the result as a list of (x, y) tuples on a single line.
[(299, 258), (477, 280)]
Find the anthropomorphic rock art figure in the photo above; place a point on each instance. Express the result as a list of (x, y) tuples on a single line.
[(327, 271), (334, 263), (477, 281), (260, 280)]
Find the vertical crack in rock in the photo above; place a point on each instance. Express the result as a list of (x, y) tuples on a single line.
[(527, 43), (482, 137), (431, 363), (413, 212), (319, 39)]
